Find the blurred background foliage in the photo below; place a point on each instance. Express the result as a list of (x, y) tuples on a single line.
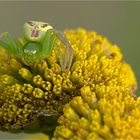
[(118, 21)]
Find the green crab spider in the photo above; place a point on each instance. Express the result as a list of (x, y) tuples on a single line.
[(40, 38)]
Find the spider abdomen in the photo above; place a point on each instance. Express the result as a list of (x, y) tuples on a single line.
[(32, 51)]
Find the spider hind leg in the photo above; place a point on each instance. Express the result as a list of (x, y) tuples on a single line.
[(68, 55)]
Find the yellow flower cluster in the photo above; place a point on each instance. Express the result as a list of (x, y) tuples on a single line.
[(42, 89), (88, 118)]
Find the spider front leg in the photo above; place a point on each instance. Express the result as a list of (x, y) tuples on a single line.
[(68, 56), (10, 45), (48, 44)]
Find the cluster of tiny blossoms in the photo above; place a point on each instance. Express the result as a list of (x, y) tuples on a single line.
[(88, 118), (28, 92)]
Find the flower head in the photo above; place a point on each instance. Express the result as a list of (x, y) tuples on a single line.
[(42, 89)]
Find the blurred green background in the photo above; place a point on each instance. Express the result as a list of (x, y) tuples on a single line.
[(118, 21)]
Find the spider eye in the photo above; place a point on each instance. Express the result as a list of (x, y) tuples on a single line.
[(44, 25), (30, 23)]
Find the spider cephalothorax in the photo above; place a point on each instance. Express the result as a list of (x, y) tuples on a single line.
[(35, 31)]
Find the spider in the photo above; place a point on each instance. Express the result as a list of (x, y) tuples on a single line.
[(39, 38)]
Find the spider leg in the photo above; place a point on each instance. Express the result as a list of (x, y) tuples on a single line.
[(9, 59), (10, 44), (60, 58), (48, 44), (68, 52), (40, 113), (3, 44)]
